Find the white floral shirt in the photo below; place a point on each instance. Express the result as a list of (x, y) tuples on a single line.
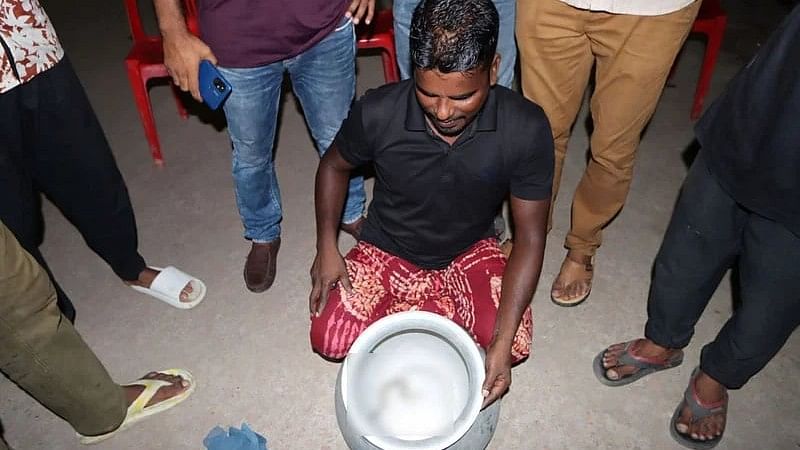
[(28, 42)]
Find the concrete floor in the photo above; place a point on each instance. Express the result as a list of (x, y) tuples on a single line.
[(250, 352)]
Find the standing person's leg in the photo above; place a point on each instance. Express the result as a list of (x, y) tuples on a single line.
[(44, 354), (252, 114), (769, 313), (473, 283), (506, 44), (634, 55), (69, 159), (18, 210), (702, 241), (72, 164), (402, 11), (770, 309), (323, 77), (556, 60), (20, 206)]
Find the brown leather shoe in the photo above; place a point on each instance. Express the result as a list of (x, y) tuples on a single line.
[(353, 229), (259, 270)]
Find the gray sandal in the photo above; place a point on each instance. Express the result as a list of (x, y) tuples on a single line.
[(645, 365), (699, 412)]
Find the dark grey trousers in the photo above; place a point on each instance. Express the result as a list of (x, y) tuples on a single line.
[(709, 233), (52, 143)]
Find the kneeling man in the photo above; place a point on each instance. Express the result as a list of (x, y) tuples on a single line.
[(447, 147)]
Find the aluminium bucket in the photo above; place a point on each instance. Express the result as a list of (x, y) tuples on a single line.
[(413, 380)]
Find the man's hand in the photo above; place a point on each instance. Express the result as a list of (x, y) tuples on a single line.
[(328, 270), (498, 373), (183, 52), (357, 10)]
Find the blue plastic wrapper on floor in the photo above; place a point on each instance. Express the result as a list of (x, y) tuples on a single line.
[(234, 439)]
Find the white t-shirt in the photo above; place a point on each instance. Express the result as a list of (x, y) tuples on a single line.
[(632, 7)]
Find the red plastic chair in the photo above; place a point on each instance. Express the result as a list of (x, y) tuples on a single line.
[(380, 34), (144, 62), (711, 21)]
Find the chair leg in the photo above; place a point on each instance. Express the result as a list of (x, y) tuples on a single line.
[(142, 98), (178, 102), (707, 69)]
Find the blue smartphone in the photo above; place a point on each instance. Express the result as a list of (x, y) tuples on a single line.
[(214, 88)]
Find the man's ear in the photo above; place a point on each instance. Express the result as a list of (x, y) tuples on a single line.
[(494, 69)]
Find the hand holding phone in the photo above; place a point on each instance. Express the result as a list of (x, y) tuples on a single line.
[(214, 88)]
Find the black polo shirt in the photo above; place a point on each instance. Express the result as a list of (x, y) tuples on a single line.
[(432, 201), (751, 134)]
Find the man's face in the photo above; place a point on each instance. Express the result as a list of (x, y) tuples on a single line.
[(451, 101)]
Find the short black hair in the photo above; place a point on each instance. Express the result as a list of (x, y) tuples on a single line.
[(454, 35)]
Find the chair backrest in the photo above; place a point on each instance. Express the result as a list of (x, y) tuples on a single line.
[(135, 19)]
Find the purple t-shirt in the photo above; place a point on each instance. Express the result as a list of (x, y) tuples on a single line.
[(251, 33)]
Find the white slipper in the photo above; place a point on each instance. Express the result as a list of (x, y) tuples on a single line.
[(168, 285), (137, 411)]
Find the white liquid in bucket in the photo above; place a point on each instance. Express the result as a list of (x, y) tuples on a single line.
[(413, 386)]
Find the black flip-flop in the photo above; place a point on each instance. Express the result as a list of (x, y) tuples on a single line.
[(699, 412), (645, 365)]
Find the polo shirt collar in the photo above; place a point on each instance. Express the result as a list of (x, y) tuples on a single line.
[(486, 120)]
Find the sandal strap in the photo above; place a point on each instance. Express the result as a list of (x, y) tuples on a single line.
[(627, 358), (151, 388), (700, 412), (585, 261)]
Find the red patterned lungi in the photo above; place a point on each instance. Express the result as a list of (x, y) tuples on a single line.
[(466, 292)]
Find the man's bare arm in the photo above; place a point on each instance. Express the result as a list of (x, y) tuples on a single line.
[(183, 51), (330, 191), (519, 283)]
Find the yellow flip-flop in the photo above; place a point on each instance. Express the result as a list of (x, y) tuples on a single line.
[(138, 410)]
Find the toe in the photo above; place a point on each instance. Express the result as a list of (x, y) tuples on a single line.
[(682, 424), (186, 293), (577, 289), (624, 371), (612, 354), (557, 290)]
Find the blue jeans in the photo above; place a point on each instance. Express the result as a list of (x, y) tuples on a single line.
[(323, 79), (506, 45)]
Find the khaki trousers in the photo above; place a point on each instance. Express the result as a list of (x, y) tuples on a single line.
[(632, 56), (42, 353)]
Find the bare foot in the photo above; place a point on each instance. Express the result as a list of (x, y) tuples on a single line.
[(574, 280), (177, 386), (147, 276), (644, 348), (709, 394)]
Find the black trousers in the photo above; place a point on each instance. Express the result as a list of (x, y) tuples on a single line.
[(51, 143), (708, 234)]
